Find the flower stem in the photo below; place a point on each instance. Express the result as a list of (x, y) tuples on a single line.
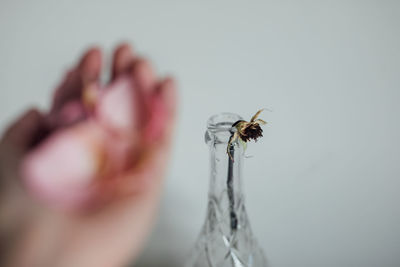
[(231, 196)]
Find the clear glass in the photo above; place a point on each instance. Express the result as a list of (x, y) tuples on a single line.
[(226, 239)]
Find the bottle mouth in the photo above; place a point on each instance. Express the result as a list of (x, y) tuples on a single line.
[(219, 127)]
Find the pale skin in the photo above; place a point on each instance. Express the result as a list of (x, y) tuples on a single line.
[(34, 233)]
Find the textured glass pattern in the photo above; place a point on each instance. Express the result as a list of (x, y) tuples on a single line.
[(226, 239)]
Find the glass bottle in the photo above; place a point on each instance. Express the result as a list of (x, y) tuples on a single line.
[(226, 239)]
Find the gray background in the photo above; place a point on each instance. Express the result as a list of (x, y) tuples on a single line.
[(322, 186)]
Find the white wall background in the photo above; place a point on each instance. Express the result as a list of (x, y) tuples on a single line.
[(323, 185)]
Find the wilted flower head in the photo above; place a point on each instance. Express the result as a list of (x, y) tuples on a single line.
[(246, 131)]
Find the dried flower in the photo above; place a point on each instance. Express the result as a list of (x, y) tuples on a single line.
[(246, 131)]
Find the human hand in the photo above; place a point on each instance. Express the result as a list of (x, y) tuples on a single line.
[(80, 185)]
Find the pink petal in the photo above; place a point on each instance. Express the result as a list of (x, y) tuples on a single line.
[(118, 107), (66, 163)]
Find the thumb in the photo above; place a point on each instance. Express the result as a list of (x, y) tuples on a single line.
[(24, 132), (16, 140)]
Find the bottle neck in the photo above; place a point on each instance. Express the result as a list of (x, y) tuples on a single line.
[(225, 172), (225, 208)]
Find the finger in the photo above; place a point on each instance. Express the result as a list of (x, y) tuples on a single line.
[(162, 112), (143, 75), (148, 170), (25, 131), (88, 70), (124, 103), (90, 65), (168, 92), (122, 60), (158, 149)]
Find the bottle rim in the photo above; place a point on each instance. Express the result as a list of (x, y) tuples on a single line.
[(219, 127)]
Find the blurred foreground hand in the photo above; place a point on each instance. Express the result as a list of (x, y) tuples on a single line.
[(80, 184)]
